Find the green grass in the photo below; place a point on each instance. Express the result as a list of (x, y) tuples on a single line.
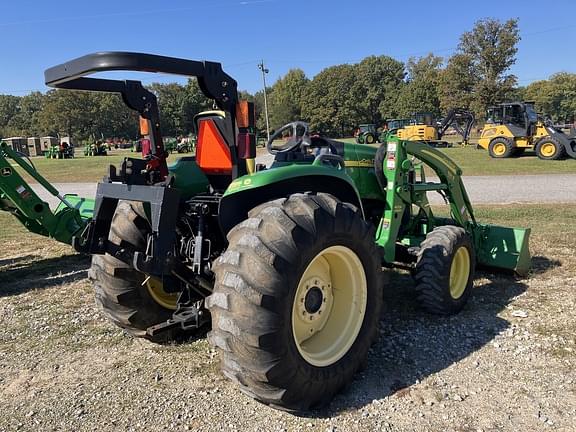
[(477, 162), (473, 162), (83, 169)]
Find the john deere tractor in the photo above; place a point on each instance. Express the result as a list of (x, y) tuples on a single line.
[(513, 127), (367, 134), (284, 261), (96, 148)]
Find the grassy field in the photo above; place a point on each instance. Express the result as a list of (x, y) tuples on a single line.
[(82, 168), (473, 162), (505, 363)]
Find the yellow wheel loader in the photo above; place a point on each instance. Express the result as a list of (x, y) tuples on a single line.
[(513, 127)]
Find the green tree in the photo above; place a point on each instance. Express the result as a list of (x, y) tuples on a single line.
[(456, 83), (491, 47), (26, 120), (286, 98), (84, 115), (259, 108), (331, 102), (67, 112), (378, 80), (421, 92), (171, 100), (9, 108), (555, 97), (194, 103)]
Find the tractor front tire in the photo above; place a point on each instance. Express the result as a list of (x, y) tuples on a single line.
[(126, 296), (500, 148), (549, 148), (297, 300), (370, 139), (445, 270)]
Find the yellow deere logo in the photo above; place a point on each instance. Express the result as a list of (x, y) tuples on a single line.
[(362, 163)]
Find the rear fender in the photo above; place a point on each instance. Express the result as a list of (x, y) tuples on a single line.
[(247, 192)]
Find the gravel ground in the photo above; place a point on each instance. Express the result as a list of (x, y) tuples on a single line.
[(506, 363)]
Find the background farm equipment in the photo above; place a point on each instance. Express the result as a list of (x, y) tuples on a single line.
[(423, 128), (286, 261), (367, 134), (57, 148), (514, 127), (96, 148), (392, 126)]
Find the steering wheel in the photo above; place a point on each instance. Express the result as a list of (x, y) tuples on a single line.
[(295, 140)]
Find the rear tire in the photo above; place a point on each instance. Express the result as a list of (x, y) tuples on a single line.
[(445, 270), (549, 148), (120, 290), (272, 285), (500, 148)]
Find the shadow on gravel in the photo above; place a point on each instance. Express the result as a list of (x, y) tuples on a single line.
[(9, 262), (413, 345), (541, 264), (41, 274)]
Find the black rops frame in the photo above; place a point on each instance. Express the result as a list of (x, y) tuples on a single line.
[(213, 81), (164, 201)]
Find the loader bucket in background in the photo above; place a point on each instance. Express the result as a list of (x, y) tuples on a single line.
[(503, 248), (84, 205)]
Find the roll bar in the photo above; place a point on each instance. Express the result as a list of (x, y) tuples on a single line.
[(213, 81)]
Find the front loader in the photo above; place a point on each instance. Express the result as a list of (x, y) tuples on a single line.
[(18, 198), (286, 261)]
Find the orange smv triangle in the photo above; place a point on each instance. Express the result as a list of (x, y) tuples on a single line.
[(212, 153)]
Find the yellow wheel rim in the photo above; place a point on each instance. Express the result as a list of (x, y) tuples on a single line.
[(499, 149), (329, 306), (459, 272), (163, 298), (548, 149)]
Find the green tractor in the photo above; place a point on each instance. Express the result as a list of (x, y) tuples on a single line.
[(170, 144), (62, 150), (96, 148), (367, 134), (286, 261)]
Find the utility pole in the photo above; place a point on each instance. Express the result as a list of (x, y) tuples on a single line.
[(264, 72)]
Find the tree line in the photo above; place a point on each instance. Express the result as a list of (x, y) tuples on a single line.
[(334, 101)]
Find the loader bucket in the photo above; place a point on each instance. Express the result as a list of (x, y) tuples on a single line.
[(503, 248)]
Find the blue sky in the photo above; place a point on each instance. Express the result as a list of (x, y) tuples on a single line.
[(308, 34)]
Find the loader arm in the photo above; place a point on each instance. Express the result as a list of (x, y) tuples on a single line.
[(18, 198), (452, 119), (496, 246)]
